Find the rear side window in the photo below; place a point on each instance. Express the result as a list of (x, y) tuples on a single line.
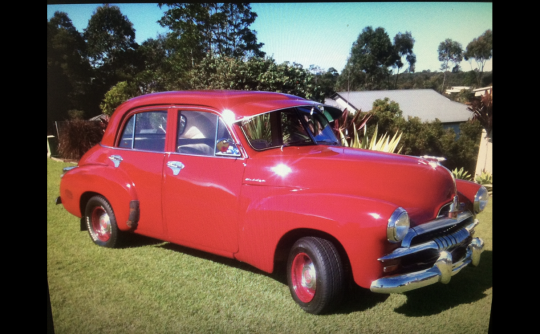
[(145, 131)]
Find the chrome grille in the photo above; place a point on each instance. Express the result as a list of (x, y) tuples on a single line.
[(444, 235), (451, 240)]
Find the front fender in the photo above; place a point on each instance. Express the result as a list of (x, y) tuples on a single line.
[(103, 180), (467, 191), (358, 223)]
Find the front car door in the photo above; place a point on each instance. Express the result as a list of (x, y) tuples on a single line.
[(202, 182)]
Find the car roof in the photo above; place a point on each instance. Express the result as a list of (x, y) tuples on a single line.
[(241, 103)]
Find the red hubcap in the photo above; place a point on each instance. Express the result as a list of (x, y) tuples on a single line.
[(101, 224), (303, 277)]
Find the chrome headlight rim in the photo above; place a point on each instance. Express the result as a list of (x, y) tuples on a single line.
[(480, 199), (398, 225)]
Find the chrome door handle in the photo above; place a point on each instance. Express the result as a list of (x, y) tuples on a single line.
[(116, 159), (176, 166)]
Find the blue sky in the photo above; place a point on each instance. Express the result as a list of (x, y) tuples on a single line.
[(323, 33)]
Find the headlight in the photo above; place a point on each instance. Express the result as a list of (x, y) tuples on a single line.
[(480, 199), (398, 225)]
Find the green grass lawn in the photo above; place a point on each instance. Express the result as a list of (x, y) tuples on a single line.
[(151, 286)]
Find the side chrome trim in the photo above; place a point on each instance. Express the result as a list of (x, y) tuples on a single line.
[(67, 169), (442, 271)]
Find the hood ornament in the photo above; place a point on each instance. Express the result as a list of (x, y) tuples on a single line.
[(433, 161)]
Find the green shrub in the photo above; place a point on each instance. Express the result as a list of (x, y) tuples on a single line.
[(347, 125), (485, 179), (461, 174)]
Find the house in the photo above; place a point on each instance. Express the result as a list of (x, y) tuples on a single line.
[(456, 89), (481, 91), (425, 104)]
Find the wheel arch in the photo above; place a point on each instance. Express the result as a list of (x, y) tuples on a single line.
[(85, 197), (287, 241)]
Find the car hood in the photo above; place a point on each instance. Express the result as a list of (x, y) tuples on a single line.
[(413, 183)]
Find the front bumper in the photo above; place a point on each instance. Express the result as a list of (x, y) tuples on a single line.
[(442, 269)]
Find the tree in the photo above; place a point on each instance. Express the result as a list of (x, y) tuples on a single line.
[(237, 40), (373, 54), (68, 71), (482, 108), (112, 50), (108, 34), (449, 51), (219, 29), (327, 81), (255, 74), (156, 69), (403, 44), (481, 50)]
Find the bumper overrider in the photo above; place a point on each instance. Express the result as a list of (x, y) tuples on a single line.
[(431, 253)]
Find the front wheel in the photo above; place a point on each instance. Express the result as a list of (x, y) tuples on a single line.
[(101, 222), (315, 274)]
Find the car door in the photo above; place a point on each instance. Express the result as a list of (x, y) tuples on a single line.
[(202, 181), (139, 153)]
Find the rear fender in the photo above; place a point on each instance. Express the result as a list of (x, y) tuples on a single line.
[(79, 184)]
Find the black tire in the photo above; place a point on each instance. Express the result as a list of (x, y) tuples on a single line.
[(101, 222), (319, 257)]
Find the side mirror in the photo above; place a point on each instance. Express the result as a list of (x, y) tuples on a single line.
[(226, 147)]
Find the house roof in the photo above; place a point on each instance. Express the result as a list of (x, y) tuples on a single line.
[(482, 89), (425, 104)]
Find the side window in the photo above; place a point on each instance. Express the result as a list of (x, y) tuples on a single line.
[(126, 140), (225, 145), (145, 131), (196, 133)]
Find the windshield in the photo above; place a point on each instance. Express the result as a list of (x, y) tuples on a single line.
[(289, 127)]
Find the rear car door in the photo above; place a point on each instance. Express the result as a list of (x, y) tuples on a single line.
[(140, 153)]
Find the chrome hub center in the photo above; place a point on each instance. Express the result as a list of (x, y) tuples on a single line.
[(308, 276)]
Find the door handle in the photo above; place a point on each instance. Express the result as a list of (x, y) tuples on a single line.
[(116, 159), (176, 166)]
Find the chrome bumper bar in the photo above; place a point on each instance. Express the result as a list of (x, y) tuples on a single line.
[(442, 271)]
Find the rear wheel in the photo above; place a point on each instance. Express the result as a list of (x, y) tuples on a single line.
[(101, 222), (315, 274)]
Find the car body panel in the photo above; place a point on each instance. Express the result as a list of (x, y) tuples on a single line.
[(202, 201)]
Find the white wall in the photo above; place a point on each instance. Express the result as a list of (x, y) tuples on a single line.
[(485, 159)]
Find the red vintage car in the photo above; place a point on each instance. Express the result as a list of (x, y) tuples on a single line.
[(260, 177)]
